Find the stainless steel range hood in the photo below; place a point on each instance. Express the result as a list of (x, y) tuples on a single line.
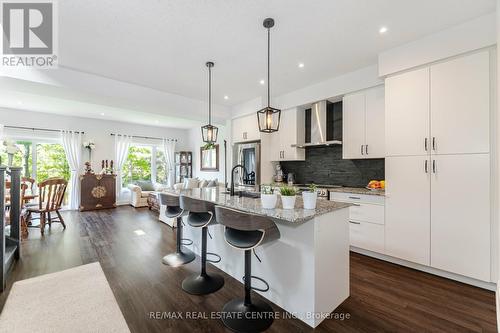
[(318, 127)]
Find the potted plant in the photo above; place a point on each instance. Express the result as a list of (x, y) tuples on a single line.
[(288, 197), (310, 197), (268, 198)]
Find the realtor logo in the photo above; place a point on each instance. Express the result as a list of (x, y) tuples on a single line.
[(29, 34)]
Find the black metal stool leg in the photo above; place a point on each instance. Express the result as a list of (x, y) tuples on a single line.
[(203, 283), (253, 316), (182, 255)]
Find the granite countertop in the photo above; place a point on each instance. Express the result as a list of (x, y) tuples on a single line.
[(252, 205), (357, 190)]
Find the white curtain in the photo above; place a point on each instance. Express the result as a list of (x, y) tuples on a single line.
[(169, 153), (72, 143), (122, 144)]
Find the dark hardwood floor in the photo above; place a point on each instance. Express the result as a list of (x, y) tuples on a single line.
[(384, 297)]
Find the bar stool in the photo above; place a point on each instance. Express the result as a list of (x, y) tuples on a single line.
[(245, 232), (182, 255), (201, 215)]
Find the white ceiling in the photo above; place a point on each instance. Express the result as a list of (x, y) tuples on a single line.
[(164, 44)]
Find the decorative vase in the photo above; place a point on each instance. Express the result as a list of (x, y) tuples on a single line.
[(288, 201), (10, 159), (309, 199), (268, 201), (90, 155)]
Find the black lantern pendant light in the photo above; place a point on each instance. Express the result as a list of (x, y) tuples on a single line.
[(269, 117), (209, 132)]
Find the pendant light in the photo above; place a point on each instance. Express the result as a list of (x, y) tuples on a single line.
[(268, 117), (209, 132)]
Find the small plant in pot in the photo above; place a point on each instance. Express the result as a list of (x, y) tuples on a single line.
[(310, 197), (288, 197), (268, 198)]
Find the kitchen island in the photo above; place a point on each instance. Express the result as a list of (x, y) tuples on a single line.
[(307, 268)]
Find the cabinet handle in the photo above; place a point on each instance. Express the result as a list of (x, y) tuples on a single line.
[(426, 144), (366, 149), (355, 198), (426, 167), (283, 154), (434, 166), (354, 222), (362, 150), (433, 143)]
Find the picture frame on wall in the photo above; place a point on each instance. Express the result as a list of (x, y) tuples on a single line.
[(209, 158)]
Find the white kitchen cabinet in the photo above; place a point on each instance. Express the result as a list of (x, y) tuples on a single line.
[(460, 214), (460, 105), (375, 123), (407, 208), (366, 220), (407, 113), (245, 129), (367, 236), (291, 132), (363, 124), (354, 135)]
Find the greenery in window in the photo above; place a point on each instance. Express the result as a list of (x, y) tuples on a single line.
[(51, 162), (138, 165), (24, 158), (161, 172)]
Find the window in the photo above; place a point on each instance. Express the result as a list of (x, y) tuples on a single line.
[(140, 165), (41, 160), (51, 162)]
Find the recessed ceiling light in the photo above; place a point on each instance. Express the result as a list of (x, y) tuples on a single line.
[(157, 122), (226, 97), (262, 82), (102, 113), (383, 30), (301, 65)]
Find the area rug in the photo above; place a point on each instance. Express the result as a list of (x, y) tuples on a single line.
[(74, 300)]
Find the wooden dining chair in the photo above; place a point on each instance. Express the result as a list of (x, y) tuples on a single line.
[(51, 195)]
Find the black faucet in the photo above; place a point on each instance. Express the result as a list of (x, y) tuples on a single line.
[(245, 172)]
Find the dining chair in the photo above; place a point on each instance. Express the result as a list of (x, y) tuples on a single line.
[(50, 198)]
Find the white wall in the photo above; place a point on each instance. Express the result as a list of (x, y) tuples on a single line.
[(466, 37), (337, 86)]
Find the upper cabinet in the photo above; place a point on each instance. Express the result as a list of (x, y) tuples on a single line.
[(407, 113), (291, 132), (441, 109), (363, 121), (460, 105), (245, 129)]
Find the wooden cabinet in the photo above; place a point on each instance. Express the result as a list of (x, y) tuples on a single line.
[(407, 113), (97, 192), (460, 214), (460, 105), (291, 132), (408, 208), (245, 129), (364, 123)]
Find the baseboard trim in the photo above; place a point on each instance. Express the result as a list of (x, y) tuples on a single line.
[(460, 278)]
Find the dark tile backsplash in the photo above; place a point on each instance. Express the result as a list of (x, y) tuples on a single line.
[(324, 165)]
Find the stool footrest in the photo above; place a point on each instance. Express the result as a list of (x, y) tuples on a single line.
[(261, 280), (186, 241), (215, 255)]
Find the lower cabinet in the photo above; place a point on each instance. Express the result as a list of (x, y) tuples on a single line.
[(460, 215), (367, 236), (437, 212), (366, 220)]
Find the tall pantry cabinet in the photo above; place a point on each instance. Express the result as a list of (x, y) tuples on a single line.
[(438, 166)]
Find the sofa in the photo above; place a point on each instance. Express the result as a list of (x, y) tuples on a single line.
[(140, 190)]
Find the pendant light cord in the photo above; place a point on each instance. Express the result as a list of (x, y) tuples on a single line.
[(209, 95), (268, 67)]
